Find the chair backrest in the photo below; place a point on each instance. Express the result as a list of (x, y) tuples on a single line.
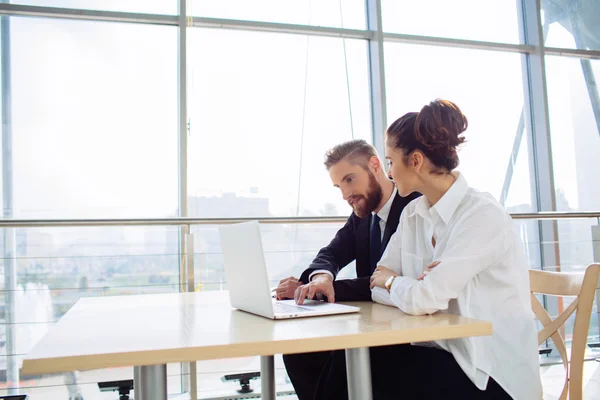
[(583, 286)]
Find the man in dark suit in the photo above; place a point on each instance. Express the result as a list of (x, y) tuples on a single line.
[(356, 170)]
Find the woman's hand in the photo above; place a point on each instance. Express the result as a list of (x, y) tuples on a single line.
[(380, 276), (429, 268)]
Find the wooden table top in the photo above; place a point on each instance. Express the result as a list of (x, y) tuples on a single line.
[(107, 332)]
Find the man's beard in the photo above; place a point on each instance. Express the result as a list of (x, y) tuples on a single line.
[(373, 198)]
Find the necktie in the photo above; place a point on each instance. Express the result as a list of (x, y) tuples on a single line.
[(375, 241)]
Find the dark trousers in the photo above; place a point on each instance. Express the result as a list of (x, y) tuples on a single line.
[(397, 372), (304, 371)]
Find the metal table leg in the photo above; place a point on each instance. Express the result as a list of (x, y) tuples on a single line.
[(150, 382), (267, 377), (137, 384), (358, 370)]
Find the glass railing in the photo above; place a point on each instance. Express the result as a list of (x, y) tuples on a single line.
[(58, 262)]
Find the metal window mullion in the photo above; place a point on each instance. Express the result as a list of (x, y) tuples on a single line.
[(536, 100), (90, 15), (55, 223), (278, 27), (536, 103), (460, 43), (576, 53), (182, 107), (9, 234), (376, 75), (186, 267), (174, 20)]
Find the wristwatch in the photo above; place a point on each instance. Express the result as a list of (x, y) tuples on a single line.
[(388, 283)]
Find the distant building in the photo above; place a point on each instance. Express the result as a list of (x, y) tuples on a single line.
[(228, 205)]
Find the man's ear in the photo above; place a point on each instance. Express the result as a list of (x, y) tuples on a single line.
[(375, 164)]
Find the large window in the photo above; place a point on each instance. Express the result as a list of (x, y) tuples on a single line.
[(137, 6), (574, 114), (90, 129), (575, 126), (490, 20), (487, 86), (94, 135), (330, 13), (94, 119), (575, 134), (264, 108), (571, 23), (55, 267)]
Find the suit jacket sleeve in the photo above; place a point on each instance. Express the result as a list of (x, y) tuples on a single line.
[(357, 289), (339, 253), (335, 256)]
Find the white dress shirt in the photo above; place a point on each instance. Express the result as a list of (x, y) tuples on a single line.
[(483, 274), (383, 214)]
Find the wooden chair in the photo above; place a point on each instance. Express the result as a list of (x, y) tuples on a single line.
[(583, 286)]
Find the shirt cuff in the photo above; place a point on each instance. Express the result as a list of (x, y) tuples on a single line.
[(409, 303), (401, 283), (381, 296), (320, 271)]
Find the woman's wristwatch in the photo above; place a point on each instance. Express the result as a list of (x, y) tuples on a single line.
[(388, 283)]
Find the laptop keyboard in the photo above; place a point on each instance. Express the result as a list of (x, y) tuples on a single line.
[(283, 308)]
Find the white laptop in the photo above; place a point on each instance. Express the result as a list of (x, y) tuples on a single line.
[(247, 279)]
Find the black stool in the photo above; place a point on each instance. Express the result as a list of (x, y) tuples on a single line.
[(123, 387)]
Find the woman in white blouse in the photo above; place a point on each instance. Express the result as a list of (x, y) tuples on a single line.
[(456, 250)]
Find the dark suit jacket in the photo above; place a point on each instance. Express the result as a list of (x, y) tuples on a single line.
[(352, 243)]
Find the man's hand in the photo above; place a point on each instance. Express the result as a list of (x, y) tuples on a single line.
[(287, 287), (320, 283), (380, 276)]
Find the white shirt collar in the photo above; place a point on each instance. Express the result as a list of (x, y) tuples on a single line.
[(447, 205), (385, 210)]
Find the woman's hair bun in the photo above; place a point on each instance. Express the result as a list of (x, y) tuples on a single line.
[(441, 124), (436, 131)]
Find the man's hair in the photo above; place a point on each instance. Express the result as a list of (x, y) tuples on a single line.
[(357, 152)]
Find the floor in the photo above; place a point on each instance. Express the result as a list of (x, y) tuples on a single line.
[(553, 380), (210, 379)]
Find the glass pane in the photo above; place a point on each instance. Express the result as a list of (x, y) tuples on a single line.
[(83, 385), (333, 13), (94, 119), (575, 134), (518, 176), (576, 244), (555, 306), (138, 6), (289, 249), (575, 131), (264, 113), (571, 24), (415, 76), (58, 266), (490, 20), (55, 267)]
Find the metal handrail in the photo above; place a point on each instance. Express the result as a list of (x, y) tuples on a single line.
[(30, 223)]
